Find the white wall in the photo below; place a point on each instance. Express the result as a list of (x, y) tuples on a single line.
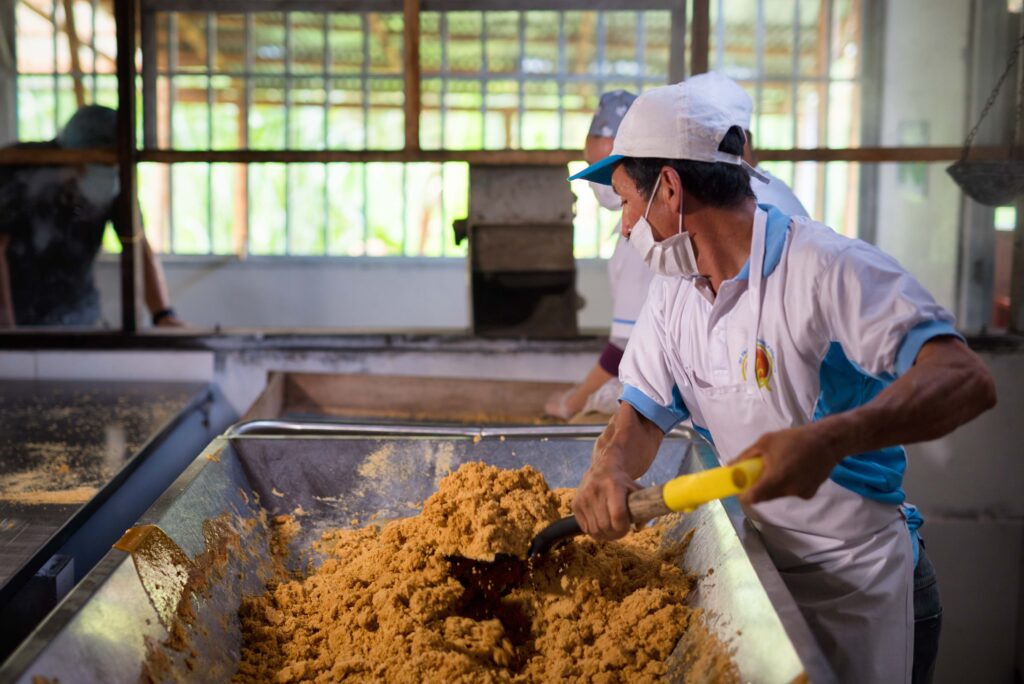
[(352, 293), (924, 84), (968, 487)]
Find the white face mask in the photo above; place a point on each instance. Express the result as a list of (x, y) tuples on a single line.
[(673, 256), (606, 196)]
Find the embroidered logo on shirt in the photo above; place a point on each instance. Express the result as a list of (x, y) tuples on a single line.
[(764, 365)]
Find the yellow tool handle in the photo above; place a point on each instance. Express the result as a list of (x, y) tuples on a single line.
[(687, 492)]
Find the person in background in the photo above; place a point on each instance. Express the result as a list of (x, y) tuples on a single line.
[(52, 220), (628, 276)]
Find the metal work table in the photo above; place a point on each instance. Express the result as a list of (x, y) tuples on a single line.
[(67, 447)]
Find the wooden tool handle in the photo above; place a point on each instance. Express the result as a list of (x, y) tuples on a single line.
[(647, 504)]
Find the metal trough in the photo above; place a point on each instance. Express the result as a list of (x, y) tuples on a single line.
[(340, 473)]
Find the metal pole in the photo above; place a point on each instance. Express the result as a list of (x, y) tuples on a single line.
[(287, 131), (8, 74), (411, 34), (149, 67), (211, 47), (124, 213), (325, 196)]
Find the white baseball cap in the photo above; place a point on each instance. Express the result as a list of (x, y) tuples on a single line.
[(728, 94), (680, 121)]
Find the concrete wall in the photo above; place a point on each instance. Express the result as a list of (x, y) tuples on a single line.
[(377, 293), (968, 486), (924, 83)]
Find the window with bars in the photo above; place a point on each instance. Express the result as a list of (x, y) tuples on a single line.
[(489, 80), (334, 81), (800, 61)]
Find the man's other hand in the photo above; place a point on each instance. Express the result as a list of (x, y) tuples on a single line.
[(796, 463)]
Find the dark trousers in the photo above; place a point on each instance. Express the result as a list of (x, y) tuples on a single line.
[(927, 619)]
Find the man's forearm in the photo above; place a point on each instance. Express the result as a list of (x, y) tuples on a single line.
[(947, 387), (630, 443), (154, 284)]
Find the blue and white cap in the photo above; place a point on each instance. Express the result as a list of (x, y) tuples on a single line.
[(610, 111)]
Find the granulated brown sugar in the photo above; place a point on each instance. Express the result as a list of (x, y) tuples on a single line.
[(480, 510), (386, 605)]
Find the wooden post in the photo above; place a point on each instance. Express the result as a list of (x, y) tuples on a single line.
[(411, 54), (700, 37), (677, 44), (8, 74), (150, 47), (125, 219)]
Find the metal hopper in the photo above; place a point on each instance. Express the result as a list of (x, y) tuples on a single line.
[(342, 475)]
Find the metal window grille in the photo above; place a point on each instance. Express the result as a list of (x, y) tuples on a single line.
[(489, 79), (800, 62)]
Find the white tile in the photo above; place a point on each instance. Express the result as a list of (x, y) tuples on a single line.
[(18, 365), (174, 366)]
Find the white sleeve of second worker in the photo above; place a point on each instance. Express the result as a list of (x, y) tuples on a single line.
[(778, 194), (877, 311), (647, 381), (630, 278), (644, 365)]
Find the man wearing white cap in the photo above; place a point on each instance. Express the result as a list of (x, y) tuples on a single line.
[(782, 339), (628, 275)]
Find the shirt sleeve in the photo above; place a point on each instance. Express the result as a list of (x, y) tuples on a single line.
[(878, 312), (648, 384), (630, 278)]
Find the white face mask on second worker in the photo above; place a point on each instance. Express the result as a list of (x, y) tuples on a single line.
[(674, 255), (606, 196)]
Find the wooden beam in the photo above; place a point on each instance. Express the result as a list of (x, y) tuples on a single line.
[(240, 6), (411, 57), (875, 155), (126, 219), (31, 156), (867, 155), (677, 44), (863, 155), (700, 37), (511, 157)]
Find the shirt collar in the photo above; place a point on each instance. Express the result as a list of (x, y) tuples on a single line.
[(775, 240)]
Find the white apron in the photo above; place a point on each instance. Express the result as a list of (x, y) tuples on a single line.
[(846, 559)]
